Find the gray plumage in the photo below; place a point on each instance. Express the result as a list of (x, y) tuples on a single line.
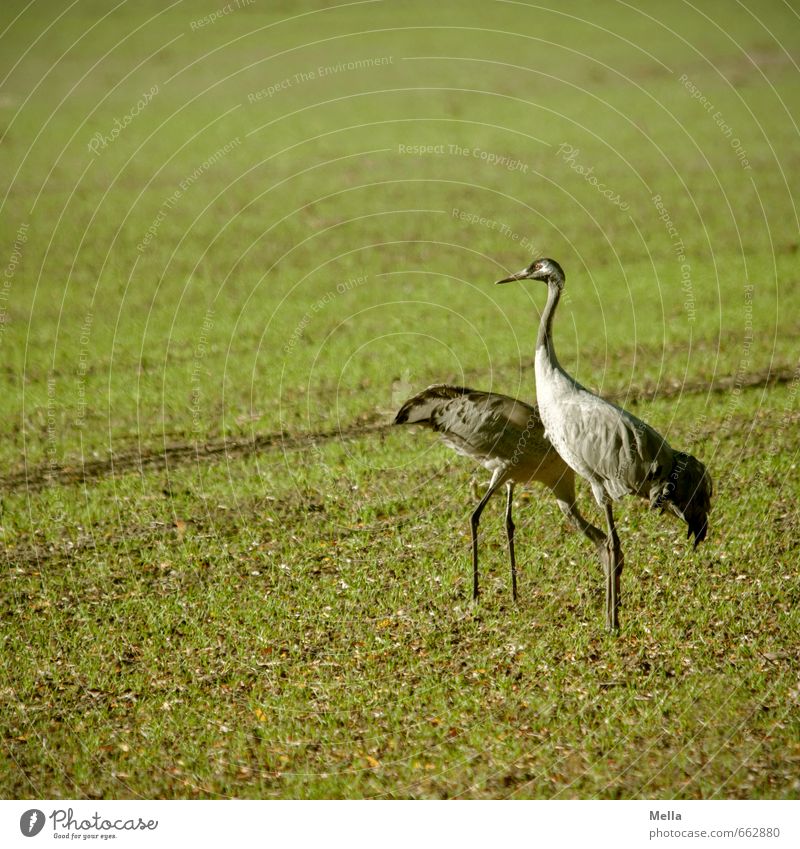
[(507, 438), (615, 451)]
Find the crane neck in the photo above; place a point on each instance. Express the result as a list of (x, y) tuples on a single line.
[(545, 336)]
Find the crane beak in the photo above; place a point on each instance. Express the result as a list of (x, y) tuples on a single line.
[(520, 275)]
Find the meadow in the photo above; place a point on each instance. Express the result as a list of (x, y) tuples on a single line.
[(235, 239)]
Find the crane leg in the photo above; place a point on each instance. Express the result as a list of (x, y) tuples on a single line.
[(574, 516), (510, 532), (474, 521), (564, 490), (613, 568)]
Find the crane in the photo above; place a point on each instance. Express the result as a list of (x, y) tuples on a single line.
[(507, 438), (617, 453)]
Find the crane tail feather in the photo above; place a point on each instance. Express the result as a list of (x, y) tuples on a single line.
[(418, 410), (688, 492)]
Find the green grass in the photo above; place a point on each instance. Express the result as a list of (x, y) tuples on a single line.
[(223, 577)]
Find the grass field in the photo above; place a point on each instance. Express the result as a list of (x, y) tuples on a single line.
[(235, 238)]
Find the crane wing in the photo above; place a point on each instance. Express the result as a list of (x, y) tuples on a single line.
[(612, 446), (482, 425)]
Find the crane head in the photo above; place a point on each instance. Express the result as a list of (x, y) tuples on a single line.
[(544, 269)]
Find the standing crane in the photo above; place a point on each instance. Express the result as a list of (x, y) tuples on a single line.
[(506, 437), (615, 451)]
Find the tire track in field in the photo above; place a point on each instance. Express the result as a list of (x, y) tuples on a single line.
[(37, 477)]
